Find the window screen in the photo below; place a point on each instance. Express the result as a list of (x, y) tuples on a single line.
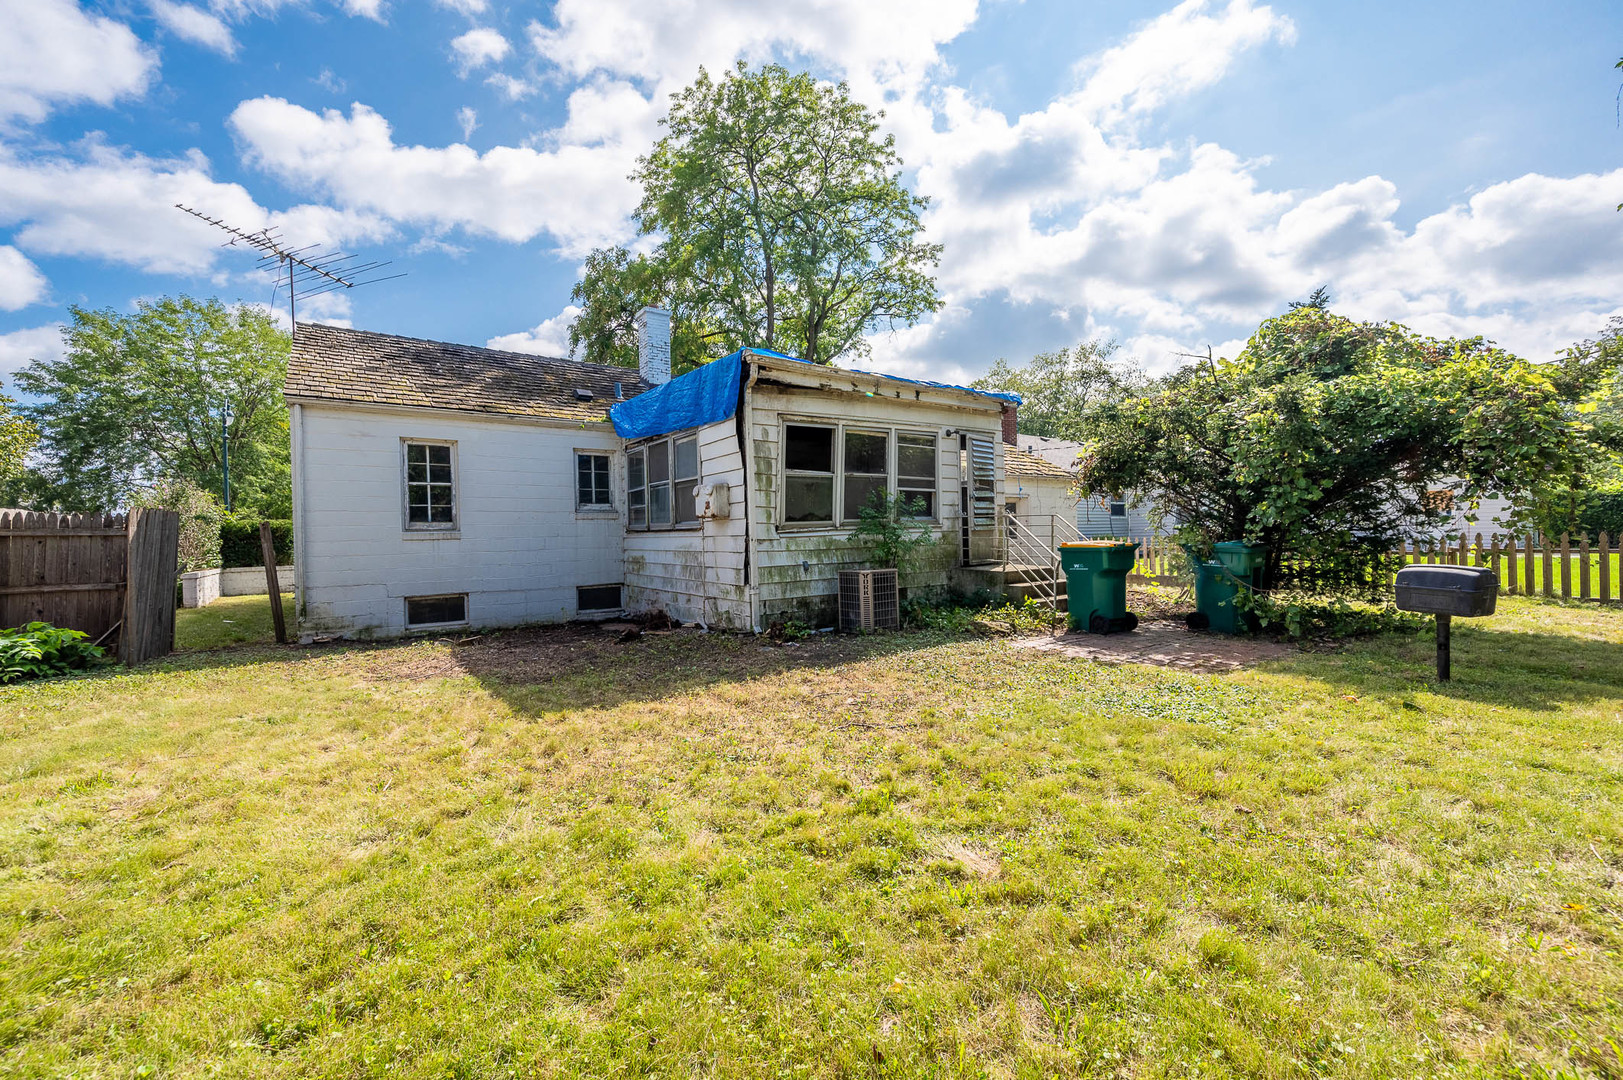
[(430, 500), (592, 480), (637, 489), (808, 483), (687, 476), (867, 471), (597, 597), (916, 474), (433, 610), (1118, 509)]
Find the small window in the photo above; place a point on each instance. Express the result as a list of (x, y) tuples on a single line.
[(637, 489), (592, 481), (597, 597), (436, 610), (430, 488), (808, 461), (916, 474), (1118, 509), (686, 453)]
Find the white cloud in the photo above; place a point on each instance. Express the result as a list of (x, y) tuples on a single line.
[(54, 53), (107, 203), (478, 47), (21, 283), (195, 25), (512, 88), (20, 347), (548, 338), (575, 193), (467, 119), (469, 8), (368, 9)]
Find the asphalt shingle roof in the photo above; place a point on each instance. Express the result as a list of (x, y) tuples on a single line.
[(334, 363), (1018, 462)]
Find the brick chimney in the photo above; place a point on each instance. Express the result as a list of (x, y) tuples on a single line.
[(1011, 434), (654, 345)]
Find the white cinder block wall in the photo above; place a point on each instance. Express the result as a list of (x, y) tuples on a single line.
[(520, 550)]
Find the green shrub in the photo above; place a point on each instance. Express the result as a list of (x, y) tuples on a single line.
[(983, 610), (239, 541), (40, 650), (200, 519), (1294, 615)]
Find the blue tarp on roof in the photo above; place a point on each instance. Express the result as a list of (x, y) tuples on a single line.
[(709, 393)]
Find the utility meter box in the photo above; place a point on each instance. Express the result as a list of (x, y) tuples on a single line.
[(714, 501)]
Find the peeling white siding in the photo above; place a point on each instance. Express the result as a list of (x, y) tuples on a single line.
[(697, 574), (520, 549), (798, 568)]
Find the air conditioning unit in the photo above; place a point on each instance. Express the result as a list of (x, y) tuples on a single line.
[(869, 600)]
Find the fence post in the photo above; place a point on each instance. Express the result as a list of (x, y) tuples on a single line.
[(1494, 564), (1527, 565), (1583, 566), (1547, 565), (1566, 566), (267, 549), (1605, 568)]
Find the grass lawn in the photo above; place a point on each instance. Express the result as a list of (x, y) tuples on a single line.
[(230, 620), (550, 854)]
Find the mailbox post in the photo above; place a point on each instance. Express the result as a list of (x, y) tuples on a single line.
[(1447, 591)]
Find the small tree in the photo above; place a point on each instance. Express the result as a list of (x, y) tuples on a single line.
[(889, 526), (1326, 440)]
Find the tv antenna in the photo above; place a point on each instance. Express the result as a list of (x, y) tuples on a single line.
[(308, 272)]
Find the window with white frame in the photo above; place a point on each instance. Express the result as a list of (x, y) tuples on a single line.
[(832, 471), (660, 477), (592, 481), (430, 485)]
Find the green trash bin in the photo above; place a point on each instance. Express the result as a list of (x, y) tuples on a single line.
[(1096, 584), (1219, 581)]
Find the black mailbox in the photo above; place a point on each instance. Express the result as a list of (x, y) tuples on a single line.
[(1447, 591), (1468, 591)]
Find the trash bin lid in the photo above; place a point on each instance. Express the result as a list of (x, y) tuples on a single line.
[(1454, 578)]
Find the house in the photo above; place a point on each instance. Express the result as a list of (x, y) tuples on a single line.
[(439, 485), (1095, 516)]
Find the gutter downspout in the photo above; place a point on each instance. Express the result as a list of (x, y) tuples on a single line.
[(752, 587)]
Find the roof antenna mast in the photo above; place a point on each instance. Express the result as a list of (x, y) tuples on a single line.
[(308, 272)]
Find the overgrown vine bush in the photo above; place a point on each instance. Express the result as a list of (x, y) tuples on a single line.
[(40, 650), (1299, 616)]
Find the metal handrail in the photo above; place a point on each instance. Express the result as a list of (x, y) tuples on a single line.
[(1022, 540)]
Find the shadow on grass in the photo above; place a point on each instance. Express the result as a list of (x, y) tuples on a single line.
[(1491, 666)]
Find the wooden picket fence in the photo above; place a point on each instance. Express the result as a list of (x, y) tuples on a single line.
[(1578, 569), (1584, 568), (110, 575)]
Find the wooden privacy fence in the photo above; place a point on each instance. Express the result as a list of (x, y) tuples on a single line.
[(1581, 568), (109, 575)]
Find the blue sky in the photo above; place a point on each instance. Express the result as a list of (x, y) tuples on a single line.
[(1165, 175)]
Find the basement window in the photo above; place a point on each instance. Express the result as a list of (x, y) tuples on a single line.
[(597, 598), (424, 611)]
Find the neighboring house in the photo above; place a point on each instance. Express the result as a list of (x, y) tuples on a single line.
[(1037, 491), (1094, 516), (442, 485)]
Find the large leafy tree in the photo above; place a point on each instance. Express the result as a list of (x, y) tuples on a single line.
[(1058, 389), (1326, 439), (139, 397), (783, 220), (18, 438)]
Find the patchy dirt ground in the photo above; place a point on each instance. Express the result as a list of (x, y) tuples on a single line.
[(1163, 643)]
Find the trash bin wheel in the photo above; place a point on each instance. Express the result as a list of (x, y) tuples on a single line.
[(1131, 622), (1098, 624), (1198, 620)]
